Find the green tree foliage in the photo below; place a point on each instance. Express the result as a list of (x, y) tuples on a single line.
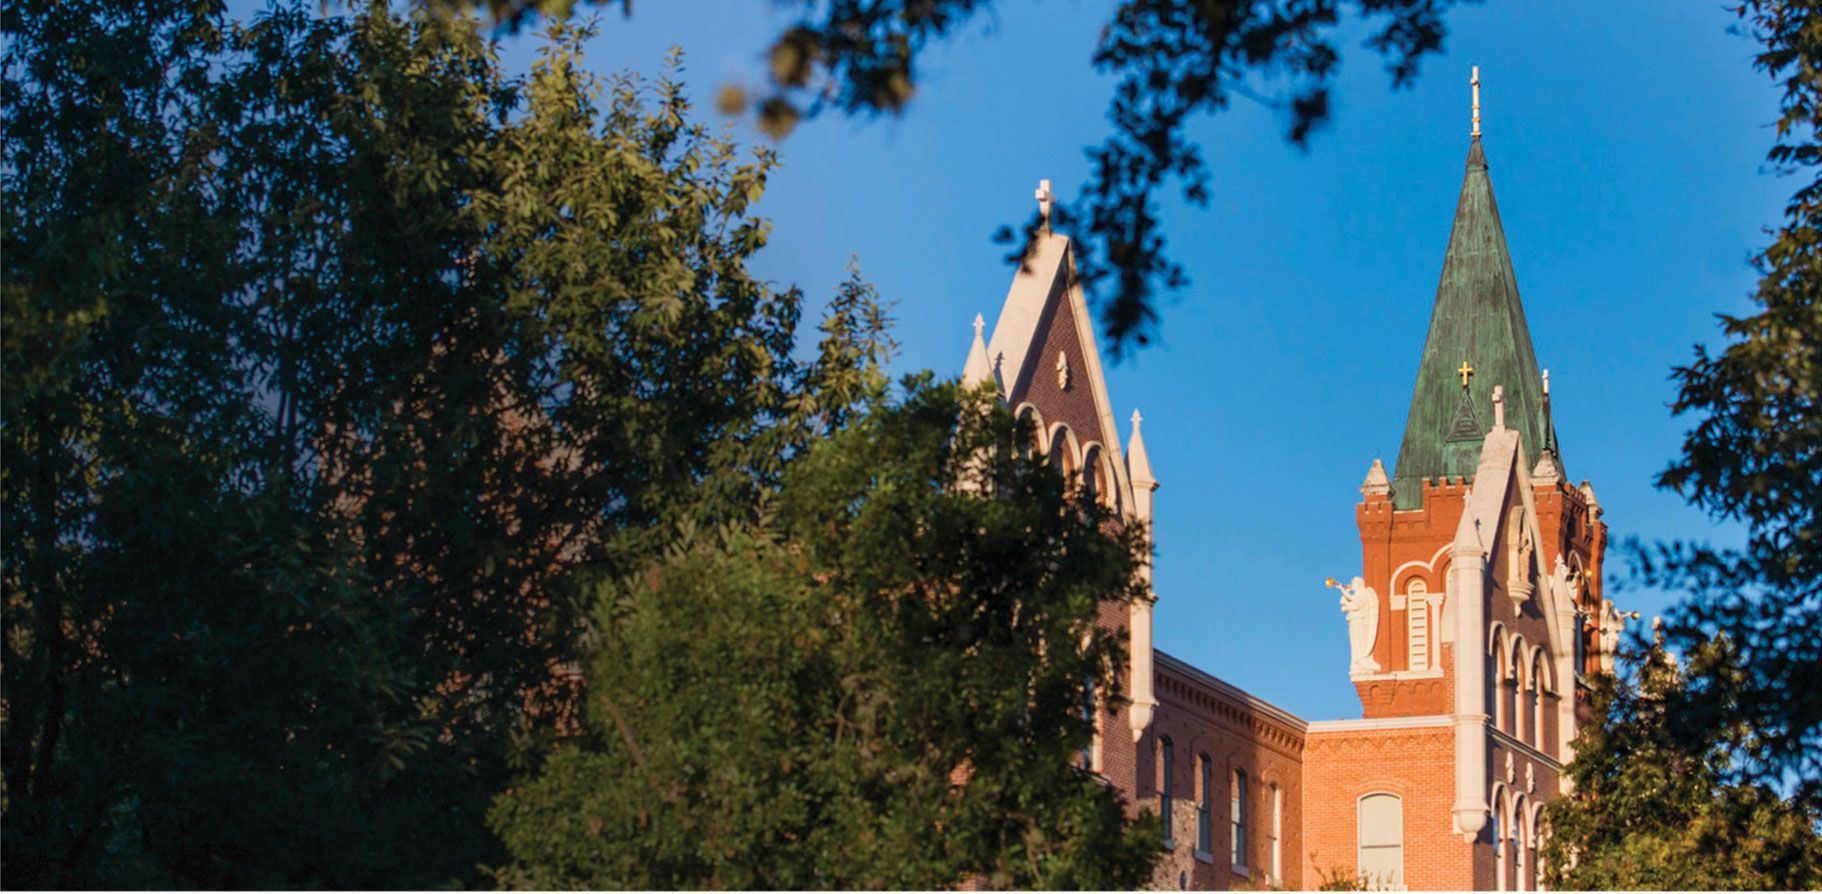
[(882, 685), (1175, 60), (330, 354), (1754, 457), (345, 374), (1654, 805)]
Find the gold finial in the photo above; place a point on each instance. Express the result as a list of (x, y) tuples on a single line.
[(1465, 372), (1475, 81)]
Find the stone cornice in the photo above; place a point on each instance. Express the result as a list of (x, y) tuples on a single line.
[(1223, 700)]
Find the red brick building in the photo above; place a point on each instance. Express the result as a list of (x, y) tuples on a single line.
[(1476, 617)]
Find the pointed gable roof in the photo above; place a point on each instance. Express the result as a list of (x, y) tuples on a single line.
[(1477, 319), (1046, 295)]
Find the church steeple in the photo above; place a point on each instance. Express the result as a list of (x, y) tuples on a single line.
[(1477, 341)]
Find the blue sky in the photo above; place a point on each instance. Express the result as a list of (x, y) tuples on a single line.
[(1626, 144)]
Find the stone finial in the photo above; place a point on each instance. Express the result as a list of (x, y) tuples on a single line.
[(1545, 473), (1138, 462), (1499, 408), (1046, 199), (1467, 531), (1377, 482), (1594, 505), (978, 369)]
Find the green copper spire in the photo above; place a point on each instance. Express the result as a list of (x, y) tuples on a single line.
[(1477, 337)]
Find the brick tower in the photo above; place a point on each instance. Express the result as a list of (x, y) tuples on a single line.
[(1478, 609)]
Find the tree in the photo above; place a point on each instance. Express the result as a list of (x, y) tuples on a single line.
[(343, 374), (881, 685), (1654, 805), (1175, 59), (330, 354), (1755, 457)]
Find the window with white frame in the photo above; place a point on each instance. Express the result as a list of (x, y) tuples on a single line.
[(1499, 845), (1521, 848), (1167, 787), (1537, 702), (1205, 777), (1277, 831), (1237, 817), (1381, 836)]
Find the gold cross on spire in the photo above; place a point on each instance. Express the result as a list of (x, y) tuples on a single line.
[(1475, 82), (1465, 372)]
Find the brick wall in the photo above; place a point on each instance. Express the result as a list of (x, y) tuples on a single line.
[(1203, 717), (1418, 765)]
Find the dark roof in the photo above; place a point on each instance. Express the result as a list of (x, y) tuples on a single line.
[(1478, 320)]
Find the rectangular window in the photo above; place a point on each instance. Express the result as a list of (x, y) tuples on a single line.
[(1381, 836), (1167, 761), (1205, 776), (1277, 833), (1237, 843)]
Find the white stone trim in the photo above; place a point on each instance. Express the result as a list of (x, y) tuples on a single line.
[(1431, 674), (1422, 721)]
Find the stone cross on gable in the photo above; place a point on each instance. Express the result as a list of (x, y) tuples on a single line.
[(1045, 198), (1499, 407)]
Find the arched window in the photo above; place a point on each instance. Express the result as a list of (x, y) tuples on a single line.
[(1062, 451), (1277, 830), (1205, 777), (1380, 827), (1521, 847), (1237, 815), (1417, 624), (1167, 788), (1519, 710), (1497, 688), (1029, 414), (1097, 483), (1537, 699), (1499, 843), (1537, 844)]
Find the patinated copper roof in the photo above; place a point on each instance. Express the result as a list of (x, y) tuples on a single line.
[(1477, 321)]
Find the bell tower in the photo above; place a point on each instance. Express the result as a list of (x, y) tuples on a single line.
[(1477, 615)]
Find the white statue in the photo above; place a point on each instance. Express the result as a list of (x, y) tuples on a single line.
[(1612, 624), (1361, 604)]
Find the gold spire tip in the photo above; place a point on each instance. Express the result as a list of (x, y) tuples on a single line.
[(1474, 82)]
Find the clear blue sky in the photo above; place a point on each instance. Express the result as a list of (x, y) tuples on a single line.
[(1625, 141)]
